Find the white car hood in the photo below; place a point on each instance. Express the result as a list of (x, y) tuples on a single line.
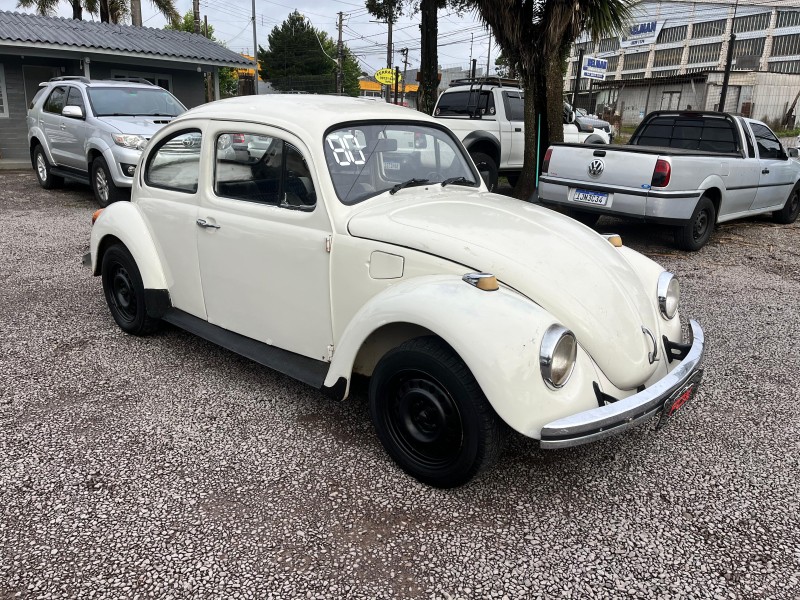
[(569, 270), (139, 125)]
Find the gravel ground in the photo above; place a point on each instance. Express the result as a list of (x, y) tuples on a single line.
[(168, 468)]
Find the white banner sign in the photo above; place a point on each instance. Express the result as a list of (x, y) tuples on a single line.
[(641, 34), (594, 68)]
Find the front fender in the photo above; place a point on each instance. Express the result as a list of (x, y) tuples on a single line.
[(497, 334), (124, 221)]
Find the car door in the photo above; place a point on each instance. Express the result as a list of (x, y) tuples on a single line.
[(263, 243), (50, 122), (514, 102), (73, 130), (777, 171)]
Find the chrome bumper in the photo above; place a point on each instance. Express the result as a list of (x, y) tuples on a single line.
[(611, 419)]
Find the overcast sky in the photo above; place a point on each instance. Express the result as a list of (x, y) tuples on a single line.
[(231, 21)]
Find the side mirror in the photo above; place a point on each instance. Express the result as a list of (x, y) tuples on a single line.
[(73, 112), (570, 116), (793, 153)]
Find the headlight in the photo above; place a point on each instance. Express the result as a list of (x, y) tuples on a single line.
[(669, 294), (129, 140), (557, 355)]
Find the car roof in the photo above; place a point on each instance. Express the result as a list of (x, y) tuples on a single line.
[(312, 114)]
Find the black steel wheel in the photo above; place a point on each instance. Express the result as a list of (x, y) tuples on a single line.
[(791, 210), (431, 415), (487, 169), (44, 175), (124, 291), (695, 234)]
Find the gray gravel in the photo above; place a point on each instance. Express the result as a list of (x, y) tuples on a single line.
[(169, 468)]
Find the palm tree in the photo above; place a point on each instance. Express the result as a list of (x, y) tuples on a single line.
[(535, 36), (110, 11)]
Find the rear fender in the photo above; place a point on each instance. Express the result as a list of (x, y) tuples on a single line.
[(497, 334), (124, 221)]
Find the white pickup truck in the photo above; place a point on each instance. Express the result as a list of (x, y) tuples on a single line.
[(487, 114), (687, 169)]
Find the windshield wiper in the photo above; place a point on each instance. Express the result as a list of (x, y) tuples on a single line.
[(458, 181), (405, 184)]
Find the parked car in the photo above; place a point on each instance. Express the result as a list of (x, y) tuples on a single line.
[(487, 114), (363, 241), (686, 169), (583, 116), (94, 131)]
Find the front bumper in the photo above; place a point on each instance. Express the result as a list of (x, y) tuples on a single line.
[(611, 419)]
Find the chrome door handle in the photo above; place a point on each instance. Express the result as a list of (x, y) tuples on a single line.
[(206, 224), (764, 171)]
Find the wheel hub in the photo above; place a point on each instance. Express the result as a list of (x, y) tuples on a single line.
[(41, 168), (101, 183), (123, 294), (423, 414)]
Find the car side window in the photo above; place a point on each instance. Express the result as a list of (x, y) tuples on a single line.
[(174, 164), (75, 98), (264, 170), (768, 144), (515, 105), (55, 101)]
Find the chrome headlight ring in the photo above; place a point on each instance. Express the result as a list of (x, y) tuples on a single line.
[(557, 355), (669, 294)]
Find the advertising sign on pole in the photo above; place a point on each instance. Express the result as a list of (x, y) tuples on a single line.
[(386, 76), (594, 68), (641, 34)]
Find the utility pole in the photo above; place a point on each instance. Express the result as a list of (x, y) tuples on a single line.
[(208, 76), (471, 40), (404, 52), (489, 54), (340, 61), (196, 9), (396, 82), (723, 95), (388, 57), (255, 51)]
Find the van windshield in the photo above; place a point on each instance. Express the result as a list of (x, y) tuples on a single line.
[(134, 102)]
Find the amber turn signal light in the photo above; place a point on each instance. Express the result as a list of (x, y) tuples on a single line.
[(96, 214), (483, 281), (614, 239)]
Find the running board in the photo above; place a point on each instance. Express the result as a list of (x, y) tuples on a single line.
[(302, 368), (66, 174)]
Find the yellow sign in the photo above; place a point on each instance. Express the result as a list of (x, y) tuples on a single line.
[(387, 76)]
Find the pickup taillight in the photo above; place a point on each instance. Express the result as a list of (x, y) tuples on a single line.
[(546, 163), (661, 174)]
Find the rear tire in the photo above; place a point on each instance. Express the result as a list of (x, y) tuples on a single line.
[(431, 416), (103, 186), (43, 174), (589, 219), (791, 210), (487, 168), (124, 291), (696, 233)]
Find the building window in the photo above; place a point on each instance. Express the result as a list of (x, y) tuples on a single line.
[(635, 61), (757, 22), (637, 75), (159, 79), (574, 69), (699, 69), (3, 94), (587, 47), (786, 45), (609, 44), (784, 66), (788, 18), (613, 61), (665, 73), (708, 29), (751, 47), (672, 34), (667, 57), (704, 53)]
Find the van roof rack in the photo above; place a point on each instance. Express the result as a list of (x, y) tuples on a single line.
[(500, 81), (71, 78)]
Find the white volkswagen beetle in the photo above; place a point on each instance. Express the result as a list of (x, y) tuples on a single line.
[(358, 238)]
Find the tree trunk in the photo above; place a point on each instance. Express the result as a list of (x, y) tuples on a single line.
[(136, 13), (77, 10), (527, 181), (104, 12), (429, 72)]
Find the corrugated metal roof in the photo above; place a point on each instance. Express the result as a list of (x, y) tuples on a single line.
[(39, 31)]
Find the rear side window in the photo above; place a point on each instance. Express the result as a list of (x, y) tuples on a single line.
[(515, 105), (464, 103), (37, 96), (56, 100), (768, 144), (711, 134), (175, 163)]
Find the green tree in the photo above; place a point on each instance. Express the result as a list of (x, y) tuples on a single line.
[(110, 11), (534, 36), (302, 58), (228, 80)]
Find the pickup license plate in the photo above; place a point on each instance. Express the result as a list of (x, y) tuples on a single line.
[(598, 198)]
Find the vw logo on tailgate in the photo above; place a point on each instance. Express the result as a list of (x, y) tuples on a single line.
[(596, 167)]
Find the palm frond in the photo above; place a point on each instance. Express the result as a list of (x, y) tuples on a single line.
[(167, 8)]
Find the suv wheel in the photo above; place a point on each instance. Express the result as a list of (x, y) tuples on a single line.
[(487, 168), (105, 191), (46, 179)]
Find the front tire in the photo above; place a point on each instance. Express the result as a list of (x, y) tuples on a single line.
[(698, 230), (45, 177), (124, 292), (487, 169), (791, 210), (431, 416), (103, 186)]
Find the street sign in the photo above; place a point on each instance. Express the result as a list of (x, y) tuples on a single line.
[(594, 68), (387, 76)]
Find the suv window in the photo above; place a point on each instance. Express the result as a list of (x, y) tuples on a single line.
[(55, 101), (75, 98), (175, 163), (768, 144), (262, 169), (515, 105), (466, 102), (133, 101), (37, 96)]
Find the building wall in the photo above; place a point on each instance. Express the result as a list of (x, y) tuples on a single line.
[(13, 127)]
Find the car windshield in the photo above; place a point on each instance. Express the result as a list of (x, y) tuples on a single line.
[(367, 159), (124, 101)]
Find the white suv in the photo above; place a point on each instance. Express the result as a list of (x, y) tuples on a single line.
[(94, 131)]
